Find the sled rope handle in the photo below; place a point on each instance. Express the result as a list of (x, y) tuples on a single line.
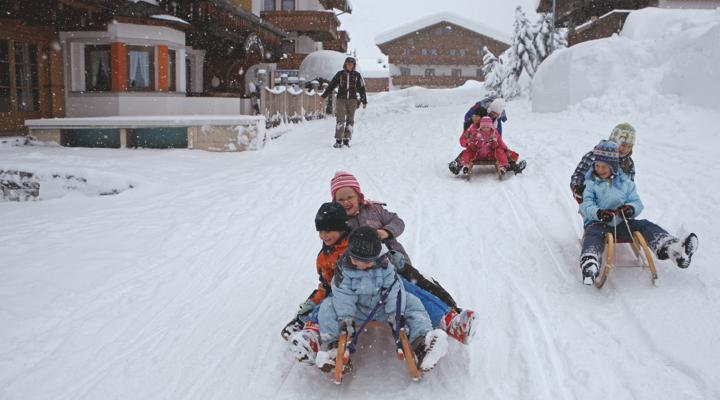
[(383, 298)]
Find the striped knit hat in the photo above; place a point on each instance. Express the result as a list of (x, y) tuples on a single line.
[(486, 122), (345, 179), (606, 152)]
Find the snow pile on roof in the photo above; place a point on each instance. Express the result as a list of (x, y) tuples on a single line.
[(322, 64), (171, 18), (371, 68), (661, 56), (437, 18), (153, 2)]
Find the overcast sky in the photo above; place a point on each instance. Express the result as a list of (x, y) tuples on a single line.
[(372, 17)]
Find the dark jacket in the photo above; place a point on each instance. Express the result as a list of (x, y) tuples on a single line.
[(349, 84)]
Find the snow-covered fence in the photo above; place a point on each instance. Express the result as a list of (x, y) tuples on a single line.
[(285, 104)]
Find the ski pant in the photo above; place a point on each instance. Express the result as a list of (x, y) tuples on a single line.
[(435, 307), (345, 118), (490, 153), (416, 318), (510, 155), (594, 238)]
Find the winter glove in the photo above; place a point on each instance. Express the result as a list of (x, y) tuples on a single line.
[(347, 325), (306, 308), (627, 210), (578, 193), (605, 215)]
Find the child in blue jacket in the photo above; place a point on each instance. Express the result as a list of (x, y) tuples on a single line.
[(608, 199), (362, 278)]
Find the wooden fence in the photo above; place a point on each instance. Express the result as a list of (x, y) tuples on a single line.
[(284, 104)]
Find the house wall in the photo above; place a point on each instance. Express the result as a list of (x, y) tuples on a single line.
[(689, 3), (128, 104)]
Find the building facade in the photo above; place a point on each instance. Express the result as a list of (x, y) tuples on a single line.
[(91, 58), (589, 20), (443, 50)]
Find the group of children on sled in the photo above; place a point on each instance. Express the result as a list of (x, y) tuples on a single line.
[(361, 262), (365, 274), (603, 184)]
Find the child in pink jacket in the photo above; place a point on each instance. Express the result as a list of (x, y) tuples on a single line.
[(482, 142)]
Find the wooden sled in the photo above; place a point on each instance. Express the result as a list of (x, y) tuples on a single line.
[(474, 163), (640, 249), (343, 357)]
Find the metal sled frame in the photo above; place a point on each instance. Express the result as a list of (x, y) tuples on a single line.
[(638, 243), (343, 356)]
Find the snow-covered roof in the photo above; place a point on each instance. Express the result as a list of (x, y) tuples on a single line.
[(437, 18), (153, 2), (170, 18)]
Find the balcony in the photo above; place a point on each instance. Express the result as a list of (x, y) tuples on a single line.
[(431, 81), (292, 61), (321, 26), (339, 44)]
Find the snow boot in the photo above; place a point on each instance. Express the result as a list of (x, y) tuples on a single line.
[(338, 144), (590, 269), (454, 167), (430, 349), (304, 345), (518, 166), (293, 326), (346, 142), (682, 252), (459, 326), (502, 171), (325, 359)]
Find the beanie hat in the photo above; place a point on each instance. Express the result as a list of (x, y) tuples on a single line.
[(486, 122), (364, 244), (345, 179), (607, 152), (350, 60), (497, 105), (331, 217), (623, 133)]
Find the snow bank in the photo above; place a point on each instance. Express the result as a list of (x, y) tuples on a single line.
[(322, 64), (661, 57), (420, 97)]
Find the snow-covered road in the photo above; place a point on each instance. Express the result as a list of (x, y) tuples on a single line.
[(178, 288)]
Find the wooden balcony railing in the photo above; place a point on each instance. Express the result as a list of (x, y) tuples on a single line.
[(339, 44), (319, 25), (431, 81)]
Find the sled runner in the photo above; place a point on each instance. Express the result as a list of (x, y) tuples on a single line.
[(404, 353), (640, 249)]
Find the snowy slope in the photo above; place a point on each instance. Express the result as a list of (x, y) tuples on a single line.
[(178, 287)]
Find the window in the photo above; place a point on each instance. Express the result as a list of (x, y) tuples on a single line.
[(456, 72), (404, 71), (288, 5), (433, 52), (406, 52), (288, 47), (171, 71), (5, 98), (97, 68), (424, 52), (453, 52), (26, 77), (269, 5), (410, 41), (141, 68), (429, 71), (463, 52)]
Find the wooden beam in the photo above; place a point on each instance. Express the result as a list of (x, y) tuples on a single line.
[(118, 67), (162, 65)]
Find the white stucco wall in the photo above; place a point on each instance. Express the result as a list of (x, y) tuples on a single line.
[(305, 45), (689, 3), (124, 104)]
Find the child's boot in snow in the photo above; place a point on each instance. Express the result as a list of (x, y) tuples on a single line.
[(325, 359), (459, 326), (304, 345), (682, 252), (293, 326), (338, 144), (454, 167), (346, 142), (430, 349), (590, 269)]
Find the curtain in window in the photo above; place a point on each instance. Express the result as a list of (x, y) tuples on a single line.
[(139, 69), (4, 76), (99, 70), (26, 77)]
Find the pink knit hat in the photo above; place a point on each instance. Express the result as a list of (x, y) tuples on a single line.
[(486, 122), (345, 179)]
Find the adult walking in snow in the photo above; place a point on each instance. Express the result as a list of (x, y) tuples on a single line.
[(345, 189), (350, 84)]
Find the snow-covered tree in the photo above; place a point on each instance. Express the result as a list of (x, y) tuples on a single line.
[(510, 74)]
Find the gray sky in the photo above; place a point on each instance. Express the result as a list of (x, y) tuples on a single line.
[(372, 17)]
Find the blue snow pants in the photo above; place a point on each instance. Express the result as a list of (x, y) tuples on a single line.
[(594, 238), (416, 318), (435, 307)]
